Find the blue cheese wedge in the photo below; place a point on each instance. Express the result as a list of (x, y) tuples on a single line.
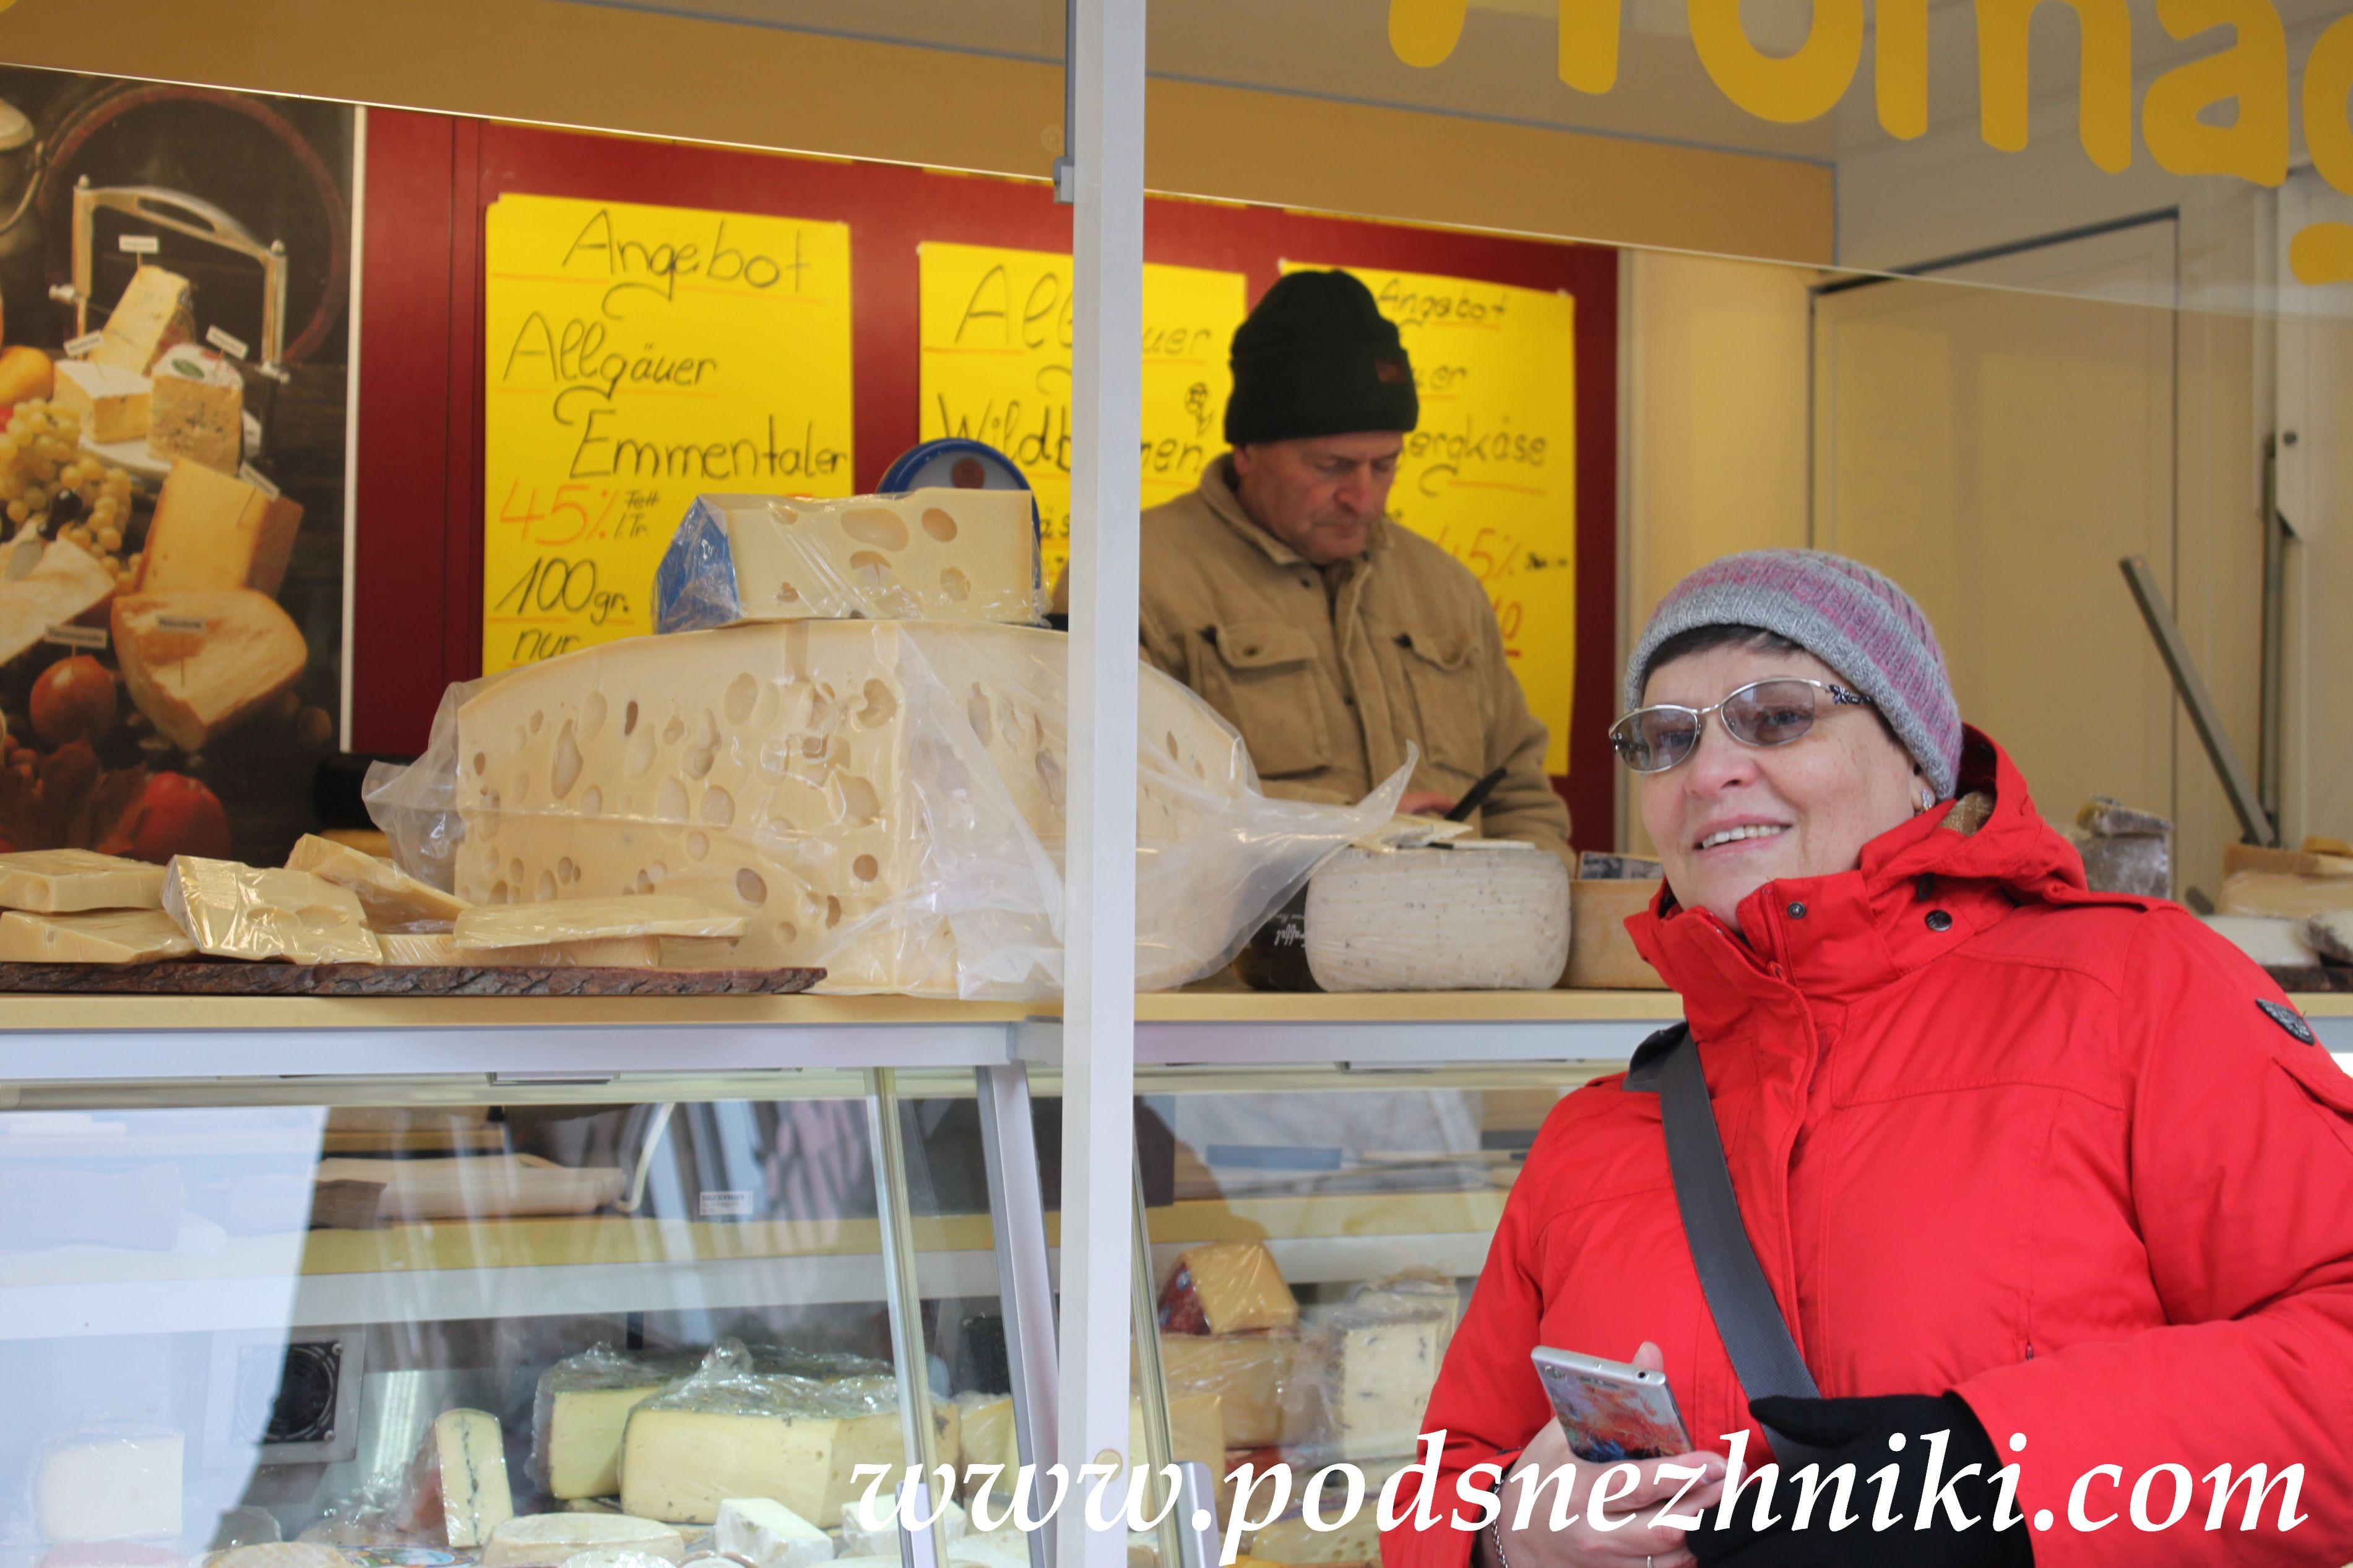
[(196, 409), (458, 1493)]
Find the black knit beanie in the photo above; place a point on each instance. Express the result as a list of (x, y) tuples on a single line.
[(1317, 358)]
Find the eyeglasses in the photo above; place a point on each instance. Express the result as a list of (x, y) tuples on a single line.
[(1762, 713)]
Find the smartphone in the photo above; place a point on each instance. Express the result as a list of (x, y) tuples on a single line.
[(1609, 1410)]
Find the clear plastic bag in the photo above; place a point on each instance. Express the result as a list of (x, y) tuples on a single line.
[(883, 799), (600, 1385), (414, 804), (232, 911), (930, 555)]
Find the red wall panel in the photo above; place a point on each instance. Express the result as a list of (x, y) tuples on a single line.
[(430, 177)]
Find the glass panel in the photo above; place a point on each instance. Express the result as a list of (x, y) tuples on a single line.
[(224, 1325)]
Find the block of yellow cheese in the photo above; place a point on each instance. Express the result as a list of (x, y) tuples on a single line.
[(59, 881), (196, 410), (68, 584), (1196, 1430), (392, 898), (1227, 1287), (1244, 1372), (111, 402), (458, 1491), (246, 912), (92, 936), (930, 554), (215, 530), (684, 1453), (785, 771), (155, 313), (582, 1404), (200, 664), (1291, 1541), (562, 921)]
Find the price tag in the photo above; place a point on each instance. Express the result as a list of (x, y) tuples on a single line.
[(258, 480), (81, 345), (139, 244), (179, 623), (733, 1204), (76, 637), (232, 346)]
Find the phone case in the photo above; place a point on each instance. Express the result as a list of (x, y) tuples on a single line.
[(1611, 1410)]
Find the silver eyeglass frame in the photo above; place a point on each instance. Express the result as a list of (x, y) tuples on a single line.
[(1838, 695)]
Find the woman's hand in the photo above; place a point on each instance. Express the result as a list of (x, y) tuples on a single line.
[(1635, 1540)]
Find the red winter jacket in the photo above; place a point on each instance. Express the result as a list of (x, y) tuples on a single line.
[(1991, 1132)]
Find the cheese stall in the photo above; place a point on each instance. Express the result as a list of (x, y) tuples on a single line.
[(603, 938)]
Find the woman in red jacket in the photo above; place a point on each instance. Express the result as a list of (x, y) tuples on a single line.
[(2058, 1175)]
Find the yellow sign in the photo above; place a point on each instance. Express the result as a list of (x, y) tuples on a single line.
[(997, 368), (637, 357), (1491, 474)]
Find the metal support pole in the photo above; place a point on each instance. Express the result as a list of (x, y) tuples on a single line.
[(917, 1548), (1152, 1388), (2204, 716), (1099, 891), (1016, 1217), (2271, 735)]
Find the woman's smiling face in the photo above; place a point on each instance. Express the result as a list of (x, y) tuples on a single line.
[(1731, 817)]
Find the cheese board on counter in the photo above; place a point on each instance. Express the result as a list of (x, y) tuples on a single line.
[(231, 978)]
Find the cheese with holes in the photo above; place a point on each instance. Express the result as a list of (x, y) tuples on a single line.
[(197, 409), (1244, 1372), (68, 584), (93, 936), (562, 921), (679, 1465), (1227, 1287), (108, 1488), (215, 530), (247, 911), (457, 1490), (546, 1540), (392, 898), (57, 881), (933, 554), (766, 1534), (200, 664), (155, 313), (779, 772), (110, 402)]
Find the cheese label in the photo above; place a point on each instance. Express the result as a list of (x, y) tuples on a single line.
[(76, 637), (180, 623), (138, 244), (258, 480), (229, 344), (77, 347), (723, 1204)]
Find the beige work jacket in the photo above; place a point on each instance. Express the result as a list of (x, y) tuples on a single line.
[(1327, 689)]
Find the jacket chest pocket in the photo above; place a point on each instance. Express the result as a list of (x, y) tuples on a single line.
[(1443, 675), (1261, 676)]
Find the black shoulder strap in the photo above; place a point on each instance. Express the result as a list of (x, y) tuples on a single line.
[(1739, 1298)]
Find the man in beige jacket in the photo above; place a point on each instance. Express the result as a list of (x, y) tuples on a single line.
[(1327, 635)]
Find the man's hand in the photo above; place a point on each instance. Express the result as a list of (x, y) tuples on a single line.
[(1697, 1477), (1425, 803)]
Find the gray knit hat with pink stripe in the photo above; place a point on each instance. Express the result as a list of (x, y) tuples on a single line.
[(1844, 613)]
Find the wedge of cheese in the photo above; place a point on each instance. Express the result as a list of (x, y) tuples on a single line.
[(392, 898), (215, 530), (111, 402), (562, 923), (547, 1539), (579, 1414), (59, 881), (767, 1534), (1244, 1372), (245, 912), (934, 555), (1386, 1373), (104, 1487), (777, 771), (414, 950), (197, 409), (200, 664), (679, 1462), (457, 1492), (155, 313), (68, 584), (1227, 1287), (1196, 1430), (94, 936)]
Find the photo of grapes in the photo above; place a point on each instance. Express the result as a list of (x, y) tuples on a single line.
[(174, 348)]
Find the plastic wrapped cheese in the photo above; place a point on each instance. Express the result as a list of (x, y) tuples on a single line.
[(91, 936), (246, 912), (882, 799), (548, 1539), (1226, 1287), (1364, 1373), (391, 898), (562, 921), (577, 1416)]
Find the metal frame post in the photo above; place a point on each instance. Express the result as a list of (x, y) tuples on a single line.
[(1098, 893), (1017, 1219), (920, 1438)]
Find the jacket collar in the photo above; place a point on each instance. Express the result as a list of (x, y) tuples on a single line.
[(1865, 928), (1216, 491)]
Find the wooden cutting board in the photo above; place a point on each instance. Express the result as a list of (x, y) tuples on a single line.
[(230, 977), (485, 1186)]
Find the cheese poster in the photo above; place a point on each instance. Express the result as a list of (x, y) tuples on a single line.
[(996, 334), (1491, 474), (635, 358)]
